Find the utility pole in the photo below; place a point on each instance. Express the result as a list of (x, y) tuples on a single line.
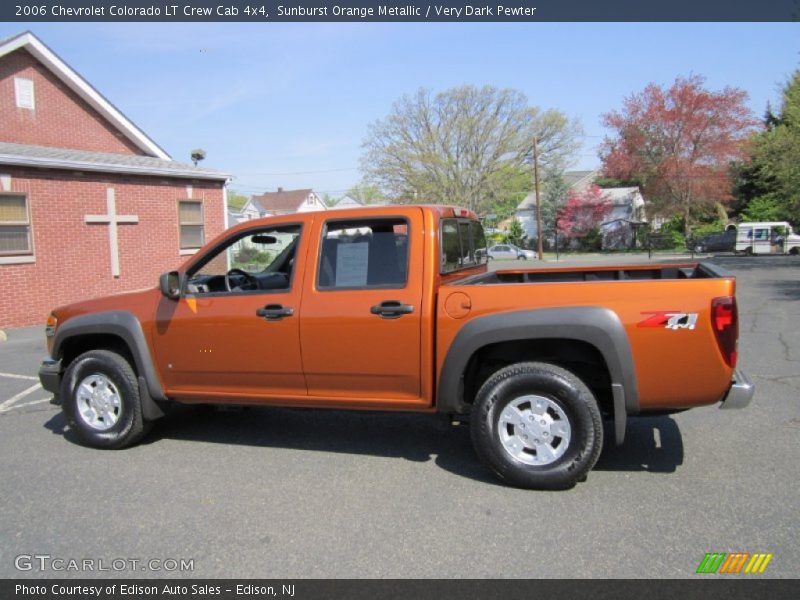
[(538, 199)]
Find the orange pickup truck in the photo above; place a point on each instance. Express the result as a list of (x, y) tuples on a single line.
[(393, 308)]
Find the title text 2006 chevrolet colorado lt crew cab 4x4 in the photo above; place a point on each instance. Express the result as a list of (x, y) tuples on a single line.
[(393, 308)]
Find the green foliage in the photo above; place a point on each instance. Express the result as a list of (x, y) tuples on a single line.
[(610, 182), (236, 201), (249, 255), (516, 233), (592, 241), (765, 208), (366, 193), (773, 178)]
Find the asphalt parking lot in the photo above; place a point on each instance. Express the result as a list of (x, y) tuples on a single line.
[(298, 493)]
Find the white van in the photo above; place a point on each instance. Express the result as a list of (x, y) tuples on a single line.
[(768, 237)]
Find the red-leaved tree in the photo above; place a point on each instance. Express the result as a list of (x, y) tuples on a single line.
[(582, 212), (678, 142)]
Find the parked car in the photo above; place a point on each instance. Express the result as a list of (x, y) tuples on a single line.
[(510, 251), (721, 241), (389, 308)]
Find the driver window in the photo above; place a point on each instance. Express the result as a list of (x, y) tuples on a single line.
[(259, 261)]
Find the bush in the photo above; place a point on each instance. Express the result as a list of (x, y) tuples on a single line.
[(592, 240)]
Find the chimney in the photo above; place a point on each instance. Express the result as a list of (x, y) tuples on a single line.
[(280, 189)]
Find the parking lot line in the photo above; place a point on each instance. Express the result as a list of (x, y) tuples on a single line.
[(14, 376), (5, 406), (24, 404)]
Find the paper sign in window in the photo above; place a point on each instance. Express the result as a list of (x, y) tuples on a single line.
[(351, 265)]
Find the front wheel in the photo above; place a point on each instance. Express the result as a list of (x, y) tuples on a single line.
[(537, 426), (101, 400)]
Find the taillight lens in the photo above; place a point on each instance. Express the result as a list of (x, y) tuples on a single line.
[(725, 322)]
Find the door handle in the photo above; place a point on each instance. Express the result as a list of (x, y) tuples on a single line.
[(391, 309), (274, 312)]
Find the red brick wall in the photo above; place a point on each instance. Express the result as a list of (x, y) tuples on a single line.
[(61, 118), (73, 258)]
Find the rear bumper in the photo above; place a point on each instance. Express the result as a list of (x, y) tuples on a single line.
[(740, 393), (50, 375)]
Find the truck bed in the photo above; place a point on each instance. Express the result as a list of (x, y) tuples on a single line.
[(702, 270)]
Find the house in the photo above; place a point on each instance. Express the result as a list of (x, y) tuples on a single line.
[(620, 228), (89, 203), (347, 202), (282, 202), (577, 181)]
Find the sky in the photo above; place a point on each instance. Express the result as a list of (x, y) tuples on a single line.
[(289, 104)]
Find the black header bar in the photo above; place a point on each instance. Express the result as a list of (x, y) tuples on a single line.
[(453, 11)]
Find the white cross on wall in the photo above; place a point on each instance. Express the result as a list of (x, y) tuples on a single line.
[(113, 219)]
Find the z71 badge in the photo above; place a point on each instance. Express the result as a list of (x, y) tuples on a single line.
[(669, 319)]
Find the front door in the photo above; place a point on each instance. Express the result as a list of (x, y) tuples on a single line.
[(234, 333), (361, 321)]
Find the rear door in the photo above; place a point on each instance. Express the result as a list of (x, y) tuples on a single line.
[(360, 321)]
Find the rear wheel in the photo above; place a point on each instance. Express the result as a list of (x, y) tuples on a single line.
[(101, 400), (537, 426), (794, 251)]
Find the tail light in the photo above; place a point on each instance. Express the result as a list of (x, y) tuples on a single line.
[(725, 322)]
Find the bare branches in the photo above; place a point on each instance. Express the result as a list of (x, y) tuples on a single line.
[(458, 146)]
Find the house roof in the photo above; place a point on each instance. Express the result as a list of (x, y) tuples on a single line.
[(580, 178), (575, 180), (620, 195), (282, 200), (25, 155), (347, 201), (83, 89)]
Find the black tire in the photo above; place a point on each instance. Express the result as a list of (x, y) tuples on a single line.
[(130, 426), (794, 251), (559, 387), (748, 251)]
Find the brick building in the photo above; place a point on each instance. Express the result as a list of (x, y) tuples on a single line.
[(89, 204)]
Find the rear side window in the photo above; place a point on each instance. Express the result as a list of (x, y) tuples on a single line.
[(364, 253), (462, 245)]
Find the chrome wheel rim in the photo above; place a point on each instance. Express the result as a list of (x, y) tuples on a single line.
[(534, 430), (99, 402)]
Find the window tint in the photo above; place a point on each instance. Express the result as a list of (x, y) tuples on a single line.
[(15, 228), (463, 244), (364, 253)]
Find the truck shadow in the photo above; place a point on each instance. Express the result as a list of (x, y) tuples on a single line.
[(413, 437), (652, 444)]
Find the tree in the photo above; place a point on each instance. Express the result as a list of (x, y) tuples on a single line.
[(458, 146), (516, 233), (772, 180), (679, 142), (366, 193), (554, 195), (236, 201), (583, 212)]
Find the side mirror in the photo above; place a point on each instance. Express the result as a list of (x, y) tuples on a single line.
[(170, 284)]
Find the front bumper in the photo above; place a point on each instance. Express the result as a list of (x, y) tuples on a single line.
[(50, 375), (740, 393)]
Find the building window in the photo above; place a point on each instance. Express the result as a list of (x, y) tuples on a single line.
[(15, 226), (24, 92), (190, 217)]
